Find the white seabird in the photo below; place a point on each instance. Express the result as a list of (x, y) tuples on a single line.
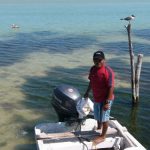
[(14, 26), (129, 18)]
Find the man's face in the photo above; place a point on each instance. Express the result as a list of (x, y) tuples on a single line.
[(99, 62)]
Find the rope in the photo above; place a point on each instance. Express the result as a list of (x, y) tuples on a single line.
[(80, 138), (81, 141)]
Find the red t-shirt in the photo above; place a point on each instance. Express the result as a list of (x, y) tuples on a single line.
[(101, 79)]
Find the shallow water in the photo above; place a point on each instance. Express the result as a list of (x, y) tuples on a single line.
[(54, 45)]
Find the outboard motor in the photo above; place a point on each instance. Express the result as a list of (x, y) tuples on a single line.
[(64, 101)]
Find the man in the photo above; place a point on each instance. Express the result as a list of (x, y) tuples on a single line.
[(101, 82)]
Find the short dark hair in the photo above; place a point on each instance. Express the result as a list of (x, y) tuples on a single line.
[(98, 55)]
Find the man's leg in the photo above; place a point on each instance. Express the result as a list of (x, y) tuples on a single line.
[(99, 125), (102, 137), (98, 114), (104, 129), (105, 119)]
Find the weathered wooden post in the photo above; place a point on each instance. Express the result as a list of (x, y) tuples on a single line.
[(131, 63), (135, 73)]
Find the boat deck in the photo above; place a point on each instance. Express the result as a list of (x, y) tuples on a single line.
[(59, 136)]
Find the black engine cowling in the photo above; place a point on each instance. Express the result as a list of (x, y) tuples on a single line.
[(65, 98)]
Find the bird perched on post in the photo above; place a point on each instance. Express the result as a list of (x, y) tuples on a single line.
[(129, 18)]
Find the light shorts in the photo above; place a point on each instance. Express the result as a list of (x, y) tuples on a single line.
[(101, 115)]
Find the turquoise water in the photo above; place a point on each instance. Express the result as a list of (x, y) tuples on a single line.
[(54, 45)]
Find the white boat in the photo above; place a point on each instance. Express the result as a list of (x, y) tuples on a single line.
[(77, 134), (61, 136)]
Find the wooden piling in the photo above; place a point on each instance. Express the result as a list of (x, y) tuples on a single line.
[(131, 63), (135, 72), (137, 75)]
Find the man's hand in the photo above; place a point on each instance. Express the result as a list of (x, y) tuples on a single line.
[(106, 106)]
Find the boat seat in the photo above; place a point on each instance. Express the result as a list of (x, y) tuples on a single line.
[(65, 135), (109, 144)]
